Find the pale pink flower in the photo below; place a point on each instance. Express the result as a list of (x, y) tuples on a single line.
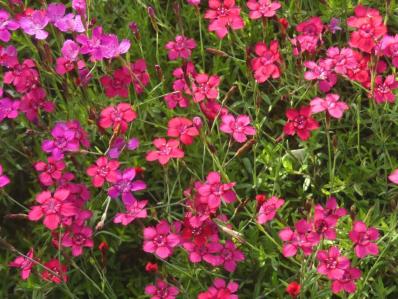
[(331, 104)]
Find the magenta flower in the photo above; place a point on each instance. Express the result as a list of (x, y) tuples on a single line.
[(347, 282), (4, 180), (268, 209), (302, 238), (312, 27), (52, 208), (334, 25), (8, 108), (70, 23), (139, 75), (51, 172), (383, 91), (212, 109), (55, 11), (23, 76), (325, 226), (267, 62), (222, 15), (136, 209), (262, 8), (370, 27), (103, 170), (8, 56), (166, 150), (182, 128), (35, 24), (231, 256), (161, 290), (125, 185), (341, 60), (239, 128), (331, 263), (208, 252), (118, 117), (160, 240), (34, 101), (181, 47), (56, 267), (304, 43), (389, 47), (175, 99), (393, 177), (213, 191), (331, 104), (300, 122), (78, 237), (6, 25), (205, 87), (118, 85), (64, 140), (362, 238), (80, 6), (220, 290), (24, 264), (321, 72), (331, 209)]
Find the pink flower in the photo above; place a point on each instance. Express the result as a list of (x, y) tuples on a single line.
[(182, 128), (389, 47), (362, 238), (80, 6), (70, 50), (78, 237), (303, 237), (331, 263), (139, 75), (51, 172), (268, 209), (8, 108), (134, 210), (300, 122), (220, 290), (52, 208), (230, 256), (180, 48), (24, 264), (321, 72), (34, 24), (125, 185), (223, 14), (331, 209), (161, 290), (175, 99), (8, 56), (6, 25), (160, 240), (4, 180), (239, 128), (370, 28), (331, 104), (393, 177), (23, 76), (213, 191), (212, 109), (117, 117), (341, 59), (208, 252), (383, 91), (56, 267), (312, 27), (347, 282), (118, 85), (205, 87), (55, 11), (70, 23), (166, 150), (325, 225), (34, 101), (262, 8), (103, 170), (267, 63)]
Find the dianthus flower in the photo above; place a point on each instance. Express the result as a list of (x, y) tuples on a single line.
[(80, 6), (35, 24), (267, 62), (51, 171), (78, 237), (34, 101), (362, 238), (125, 185), (223, 14), (52, 207), (341, 60), (23, 76), (8, 56), (181, 47), (212, 109), (238, 127), (183, 129), (208, 252), (268, 209), (347, 282), (103, 170), (312, 27), (4, 180), (161, 290), (6, 25), (117, 117), (56, 267), (370, 28), (331, 104), (300, 122), (331, 263), (331, 209), (230, 256), (70, 23), (321, 72), (389, 47), (393, 177), (165, 150), (134, 210), (205, 87), (383, 91), (220, 290), (118, 85), (293, 289), (24, 264), (139, 75), (262, 8), (8, 108), (160, 240)]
